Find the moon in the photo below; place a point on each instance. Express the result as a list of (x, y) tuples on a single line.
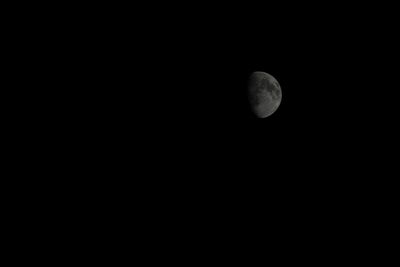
[(264, 94)]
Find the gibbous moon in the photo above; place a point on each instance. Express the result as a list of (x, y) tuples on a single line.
[(264, 94)]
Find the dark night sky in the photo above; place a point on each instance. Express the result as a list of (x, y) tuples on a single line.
[(178, 86), (140, 116), (174, 82)]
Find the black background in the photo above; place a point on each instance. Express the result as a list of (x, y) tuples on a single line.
[(173, 87), (143, 112)]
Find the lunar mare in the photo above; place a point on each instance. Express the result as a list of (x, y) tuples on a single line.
[(264, 93)]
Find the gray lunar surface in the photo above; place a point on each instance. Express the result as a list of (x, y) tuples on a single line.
[(264, 93)]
